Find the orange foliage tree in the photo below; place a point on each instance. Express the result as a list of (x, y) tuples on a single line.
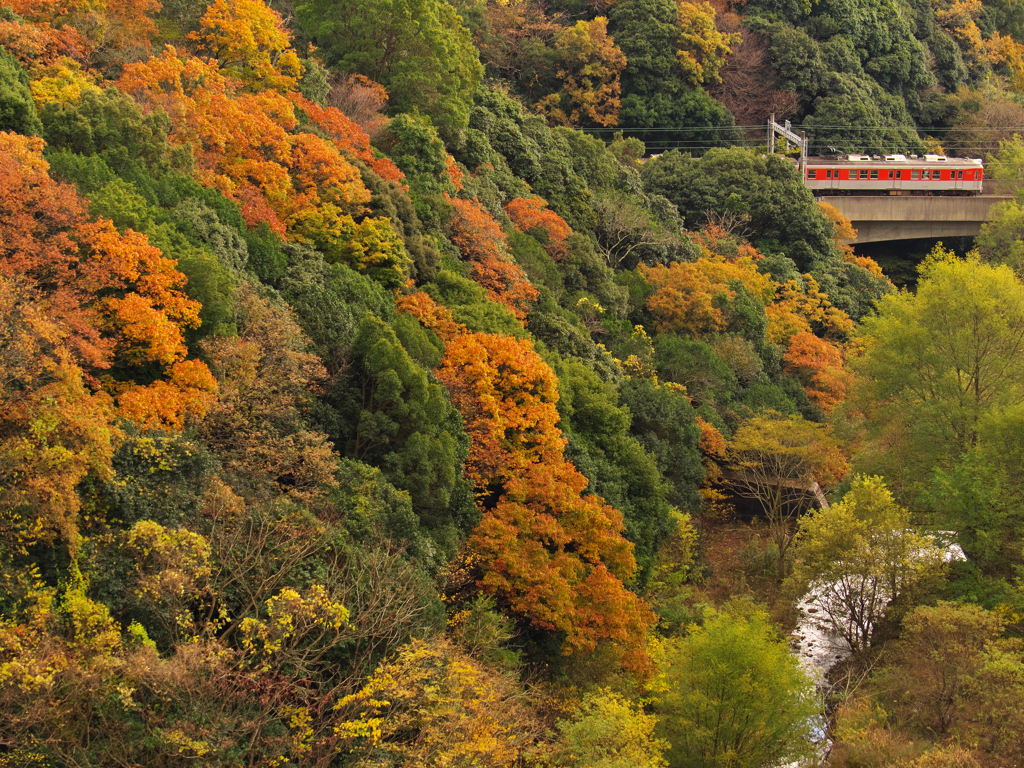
[(119, 299), (555, 556), (846, 234), (37, 46), (247, 145), (507, 396), (481, 240), (534, 214), (437, 318), (690, 296), (348, 135), (109, 31), (86, 316), (818, 365)]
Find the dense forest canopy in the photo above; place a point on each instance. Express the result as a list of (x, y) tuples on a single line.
[(462, 382)]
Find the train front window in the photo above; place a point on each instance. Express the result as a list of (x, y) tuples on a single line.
[(874, 174)]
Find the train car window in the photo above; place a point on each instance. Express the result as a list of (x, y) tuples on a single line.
[(890, 174), (926, 175), (914, 175), (864, 173), (959, 174), (936, 175), (828, 174), (812, 174), (874, 174)]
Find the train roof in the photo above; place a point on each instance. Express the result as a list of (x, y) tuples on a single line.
[(894, 159)]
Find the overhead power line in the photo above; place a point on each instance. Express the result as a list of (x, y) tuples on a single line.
[(808, 127)]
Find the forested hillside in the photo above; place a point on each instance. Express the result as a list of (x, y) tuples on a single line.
[(449, 382)]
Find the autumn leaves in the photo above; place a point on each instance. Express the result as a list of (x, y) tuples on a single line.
[(555, 556), (83, 305)]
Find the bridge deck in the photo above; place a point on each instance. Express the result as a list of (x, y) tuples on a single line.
[(890, 217)]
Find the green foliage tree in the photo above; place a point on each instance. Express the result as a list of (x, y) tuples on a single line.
[(859, 66), (611, 732), (863, 561), (331, 301), (858, 115), (980, 497), (390, 200), (956, 674), (730, 693), (768, 190), (693, 364), (110, 124), (408, 427), (658, 91), (936, 364), (1001, 240), (17, 111), (418, 49), (664, 422), (413, 143), (470, 306), (567, 168), (613, 460)]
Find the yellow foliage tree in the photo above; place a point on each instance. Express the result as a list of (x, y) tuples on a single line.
[(54, 432), (251, 43), (433, 705), (803, 309), (611, 732), (777, 461), (589, 72), (702, 48), (690, 295)]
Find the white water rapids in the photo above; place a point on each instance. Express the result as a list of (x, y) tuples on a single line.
[(818, 645)]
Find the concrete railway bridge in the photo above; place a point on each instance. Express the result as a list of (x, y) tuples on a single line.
[(878, 218)]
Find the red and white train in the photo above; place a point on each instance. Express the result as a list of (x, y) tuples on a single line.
[(894, 175)]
